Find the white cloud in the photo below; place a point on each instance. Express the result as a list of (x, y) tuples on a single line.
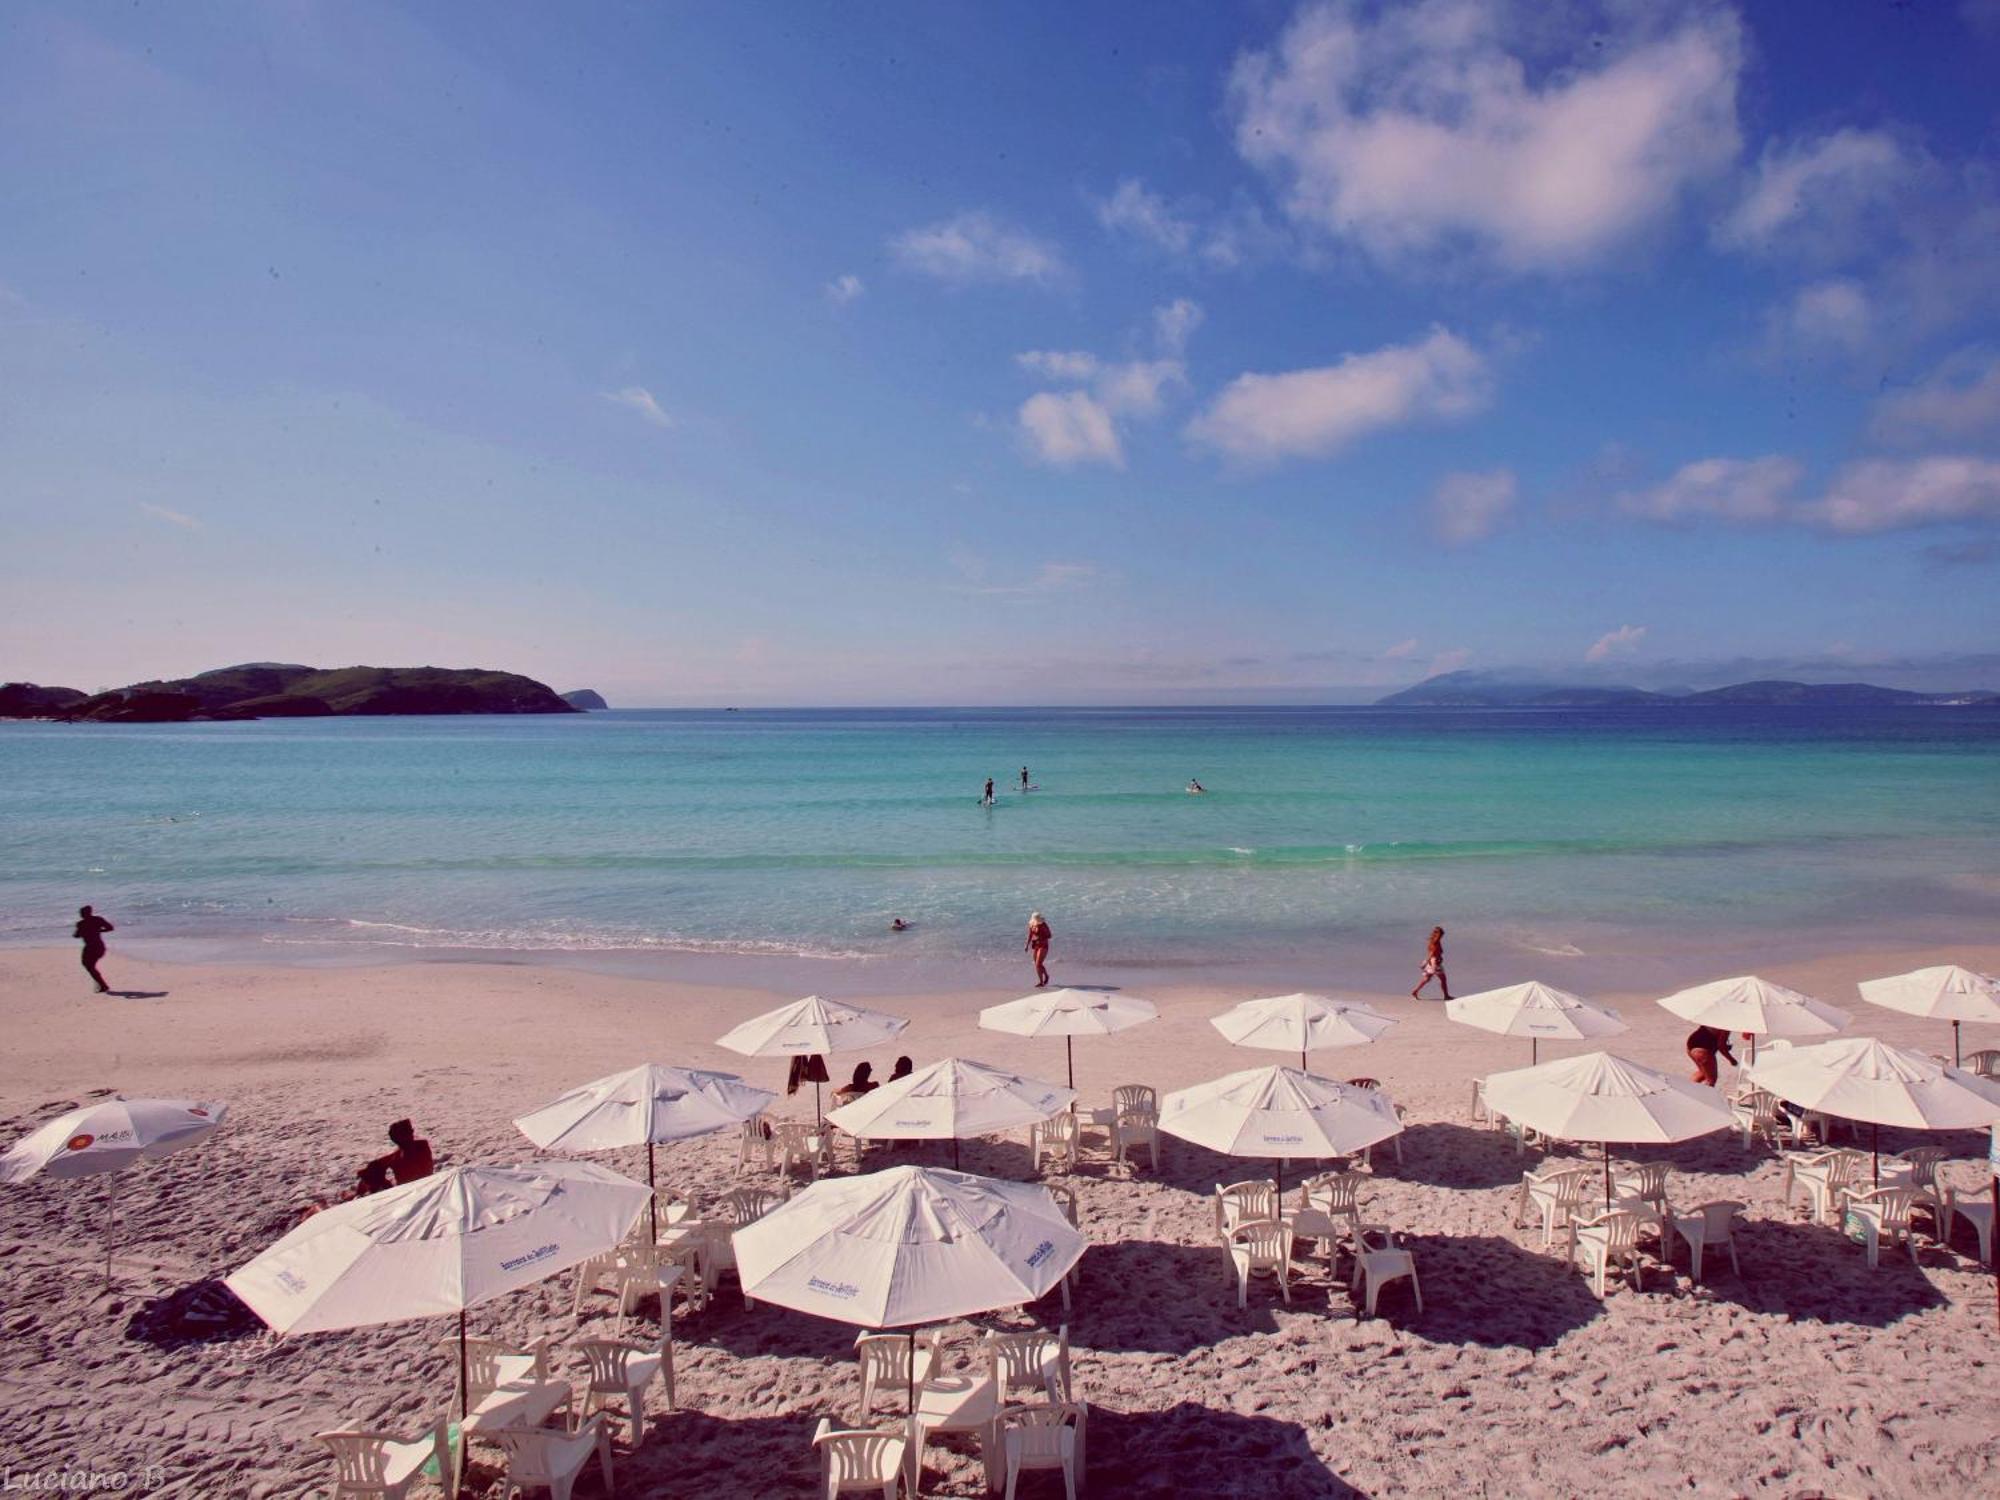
[(1312, 413), (1835, 313), (171, 517), (1469, 507), (1136, 389), (1739, 490), (978, 246), (1401, 650), (1959, 399), (1068, 365), (1895, 494), (1819, 187), (1135, 209), (845, 289), (637, 398), (1070, 427), (1174, 323), (1869, 496), (1622, 641), (1424, 128)]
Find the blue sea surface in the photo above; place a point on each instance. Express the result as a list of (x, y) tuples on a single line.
[(1326, 834)]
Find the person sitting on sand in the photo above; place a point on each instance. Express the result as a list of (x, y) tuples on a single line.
[(904, 1067), (1702, 1045), (1433, 966), (412, 1157)]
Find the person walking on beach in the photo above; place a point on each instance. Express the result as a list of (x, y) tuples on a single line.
[(1038, 945), (91, 928), (1433, 966), (1702, 1044), (987, 800)]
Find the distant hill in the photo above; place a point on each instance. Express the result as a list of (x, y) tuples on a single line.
[(587, 699), (1470, 689), (288, 690), (28, 700)]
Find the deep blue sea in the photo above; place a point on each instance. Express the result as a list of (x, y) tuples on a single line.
[(1328, 841)]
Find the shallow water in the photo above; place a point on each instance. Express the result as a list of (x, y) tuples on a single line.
[(1553, 834)]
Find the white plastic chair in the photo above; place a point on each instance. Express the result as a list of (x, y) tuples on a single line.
[(1609, 1239), (802, 1143), (1140, 1096), (382, 1466), (621, 1372), (490, 1364), (1056, 1137), (1479, 1114), (1924, 1162), (1331, 1205), (1646, 1182), (883, 1362), (1704, 1227), (1044, 1437), (1037, 1361), (759, 1144), (1379, 1260), (1825, 1176), (539, 1458), (718, 1254), (1260, 1245), (743, 1206), (1883, 1217), (1975, 1206), (1556, 1193), (1135, 1130), (859, 1459), (1985, 1062), (1241, 1202), (1760, 1116)]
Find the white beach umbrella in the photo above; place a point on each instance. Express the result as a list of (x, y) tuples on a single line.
[(441, 1244), (812, 1027), (1598, 1097), (1069, 1014), (1279, 1113), (1758, 1007), (951, 1100), (644, 1106), (1860, 1078), (104, 1139), (908, 1245), (1944, 993), (1301, 1024), (1538, 1012)]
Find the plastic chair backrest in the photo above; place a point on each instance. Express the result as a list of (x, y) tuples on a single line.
[(1032, 1359), (1135, 1096), (1986, 1062), (359, 1458), (1265, 1239), (1333, 1192), (1893, 1203), (1622, 1229), (1649, 1179), (482, 1366), (748, 1205), (1060, 1128), (1041, 1432), (1137, 1122), (1242, 1201), (1718, 1219), (860, 1455), (1364, 1083), (607, 1359), (1923, 1162)]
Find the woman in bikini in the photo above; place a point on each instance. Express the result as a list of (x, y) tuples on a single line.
[(1038, 946), (1433, 966)]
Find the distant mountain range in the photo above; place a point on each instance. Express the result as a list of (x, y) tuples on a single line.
[(266, 689), (1472, 689)]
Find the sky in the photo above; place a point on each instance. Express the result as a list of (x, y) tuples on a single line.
[(965, 354)]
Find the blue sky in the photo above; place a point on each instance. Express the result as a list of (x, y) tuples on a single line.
[(952, 353)]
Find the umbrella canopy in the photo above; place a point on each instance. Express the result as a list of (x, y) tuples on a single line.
[(1756, 1006), (644, 1106), (1279, 1112), (1598, 1097), (440, 1244), (908, 1245), (1536, 1011), (1944, 993), (1069, 1014), (1860, 1078), (951, 1100), (1301, 1024), (109, 1137), (811, 1025)]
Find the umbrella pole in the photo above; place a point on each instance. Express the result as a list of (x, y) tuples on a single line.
[(1069, 1049), (464, 1409), (1875, 1152), (1753, 1049), (817, 1115), (1534, 1050), (653, 1202), (1954, 1044), (1607, 1176)]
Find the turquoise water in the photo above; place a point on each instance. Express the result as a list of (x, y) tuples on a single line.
[(1325, 832)]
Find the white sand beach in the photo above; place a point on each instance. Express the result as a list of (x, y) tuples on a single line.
[(1809, 1375)]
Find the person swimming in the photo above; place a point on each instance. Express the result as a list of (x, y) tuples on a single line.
[(897, 924)]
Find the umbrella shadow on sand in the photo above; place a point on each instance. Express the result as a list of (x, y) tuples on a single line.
[(1484, 1289), (205, 1312), (1202, 1309), (1190, 1449), (1443, 1154), (1811, 1273)]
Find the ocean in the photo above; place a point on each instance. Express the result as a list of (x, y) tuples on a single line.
[(1581, 846)]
